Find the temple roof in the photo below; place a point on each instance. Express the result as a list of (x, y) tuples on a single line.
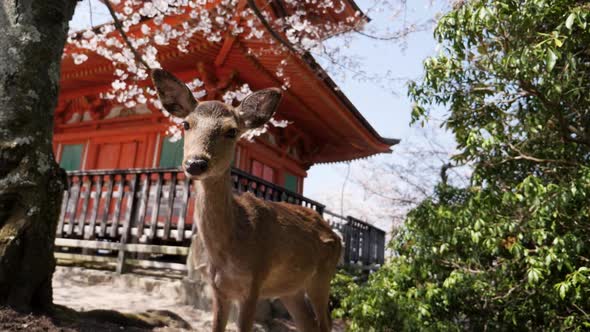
[(333, 127)]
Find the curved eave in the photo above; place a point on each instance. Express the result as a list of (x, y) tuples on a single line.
[(356, 8), (383, 144), (308, 58), (314, 104)]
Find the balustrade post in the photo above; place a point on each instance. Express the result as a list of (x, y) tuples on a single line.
[(373, 245), (347, 240), (127, 223), (320, 209), (85, 200), (107, 205), (76, 188), (170, 205), (156, 208), (95, 204), (182, 215), (366, 259), (62, 213)]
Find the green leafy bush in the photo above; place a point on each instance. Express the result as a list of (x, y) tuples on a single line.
[(343, 285), (512, 250)]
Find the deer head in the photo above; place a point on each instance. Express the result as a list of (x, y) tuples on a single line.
[(212, 128)]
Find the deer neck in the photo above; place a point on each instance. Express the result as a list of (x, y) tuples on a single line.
[(214, 211)]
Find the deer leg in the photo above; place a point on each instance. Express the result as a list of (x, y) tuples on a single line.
[(247, 312), (300, 312), (318, 293), (221, 306)]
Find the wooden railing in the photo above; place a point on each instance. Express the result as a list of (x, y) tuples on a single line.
[(364, 244), (245, 182), (125, 217)]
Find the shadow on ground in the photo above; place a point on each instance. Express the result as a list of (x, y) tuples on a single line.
[(64, 319)]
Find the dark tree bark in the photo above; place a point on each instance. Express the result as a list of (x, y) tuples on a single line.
[(32, 37)]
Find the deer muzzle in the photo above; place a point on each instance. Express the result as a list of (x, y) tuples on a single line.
[(196, 166)]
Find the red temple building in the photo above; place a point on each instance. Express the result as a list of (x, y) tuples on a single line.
[(93, 133), (126, 194)]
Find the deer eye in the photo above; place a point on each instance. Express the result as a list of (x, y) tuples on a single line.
[(186, 125), (232, 133)]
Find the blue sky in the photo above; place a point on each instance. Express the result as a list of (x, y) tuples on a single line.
[(388, 111)]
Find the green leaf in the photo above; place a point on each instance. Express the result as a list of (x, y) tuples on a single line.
[(550, 59), (569, 22), (558, 42), (533, 275), (562, 290)]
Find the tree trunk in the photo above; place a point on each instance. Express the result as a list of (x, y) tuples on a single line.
[(33, 34)]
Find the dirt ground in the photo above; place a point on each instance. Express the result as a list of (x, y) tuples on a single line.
[(95, 301), (68, 320), (85, 290), (13, 321)]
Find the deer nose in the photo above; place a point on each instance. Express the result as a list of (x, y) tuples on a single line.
[(196, 166)]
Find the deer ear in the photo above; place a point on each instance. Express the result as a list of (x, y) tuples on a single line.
[(258, 107), (175, 96)]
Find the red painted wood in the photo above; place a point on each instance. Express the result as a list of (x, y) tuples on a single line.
[(268, 174), (128, 155), (108, 156), (257, 168)]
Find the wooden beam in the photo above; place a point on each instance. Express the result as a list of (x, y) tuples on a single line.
[(290, 141), (61, 242), (156, 249), (224, 51), (213, 83), (84, 258), (60, 256), (131, 247), (158, 265), (228, 43)]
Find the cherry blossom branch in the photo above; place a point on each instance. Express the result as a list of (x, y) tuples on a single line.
[(399, 34), (119, 28), (271, 31)]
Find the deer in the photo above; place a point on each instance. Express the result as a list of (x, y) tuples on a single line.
[(255, 249)]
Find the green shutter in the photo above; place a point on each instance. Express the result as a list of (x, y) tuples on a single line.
[(291, 182), (71, 157), (172, 153)]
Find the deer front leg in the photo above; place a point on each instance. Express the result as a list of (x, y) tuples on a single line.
[(221, 306), (247, 312)]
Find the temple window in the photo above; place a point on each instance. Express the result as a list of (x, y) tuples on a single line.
[(172, 153), (71, 156), (291, 182)]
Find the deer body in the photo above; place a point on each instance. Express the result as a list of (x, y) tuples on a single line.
[(255, 249), (260, 242)]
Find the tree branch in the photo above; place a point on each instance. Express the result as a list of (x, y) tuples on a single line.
[(566, 129), (398, 35), (119, 28), (524, 156), (457, 266), (269, 28), (443, 172)]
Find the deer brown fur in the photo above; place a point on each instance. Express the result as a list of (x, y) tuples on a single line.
[(255, 249)]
